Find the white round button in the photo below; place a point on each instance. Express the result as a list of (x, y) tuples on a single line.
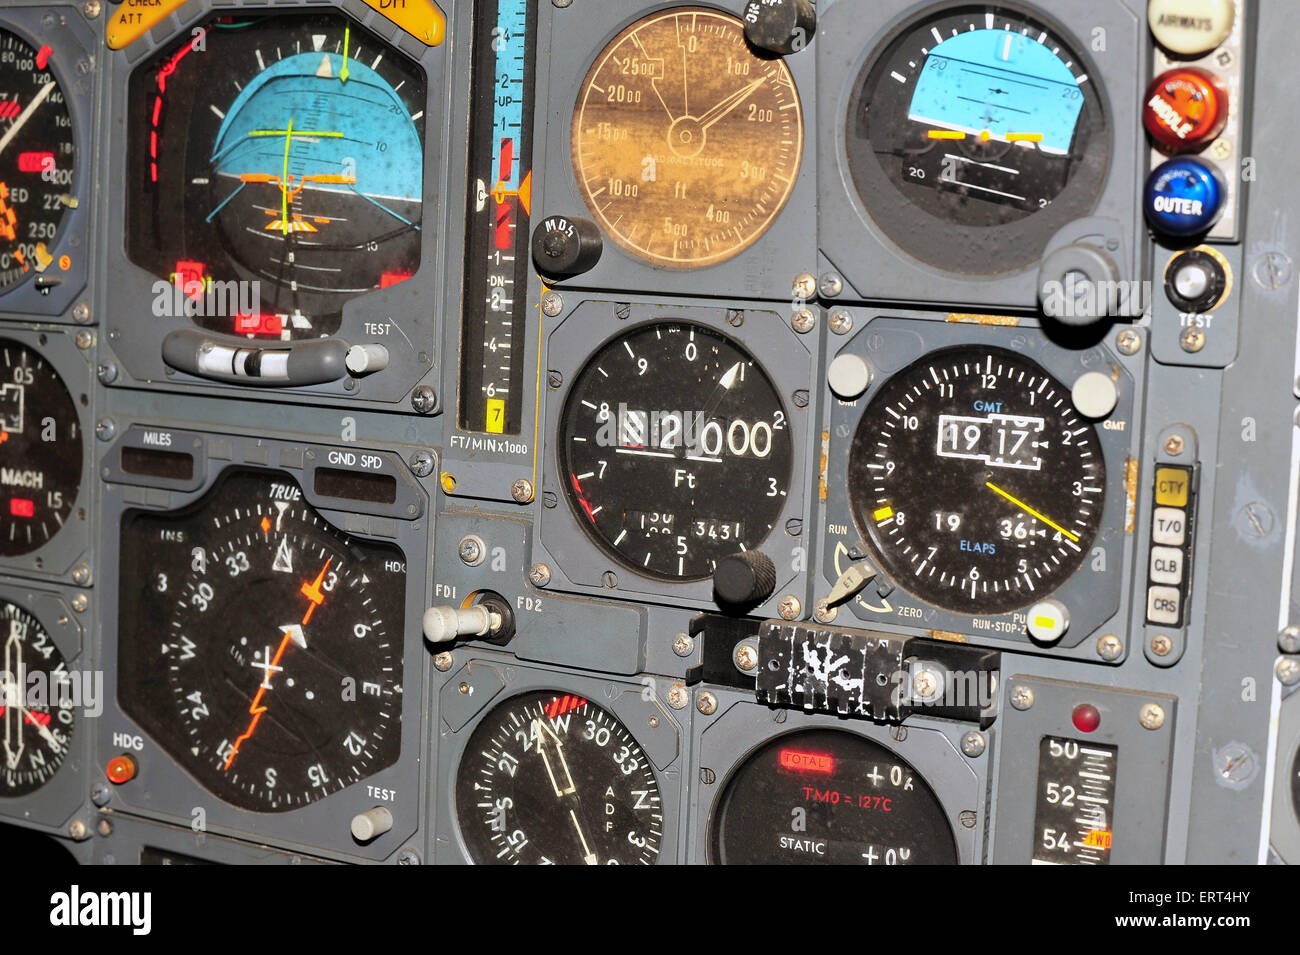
[(1048, 621), (848, 377), (1191, 281), (1190, 27), (1094, 395)]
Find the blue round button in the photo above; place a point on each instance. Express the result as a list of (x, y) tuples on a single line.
[(1183, 197)]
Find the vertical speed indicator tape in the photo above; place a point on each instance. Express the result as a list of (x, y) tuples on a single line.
[(496, 248)]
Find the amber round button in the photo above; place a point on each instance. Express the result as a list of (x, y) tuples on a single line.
[(1184, 109)]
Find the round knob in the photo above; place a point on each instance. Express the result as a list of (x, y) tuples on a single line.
[(1190, 27), (1196, 280), (1048, 621), (366, 359), (1078, 284), (564, 246), (444, 624), (371, 824), (1184, 109), (1094, 395), (780, 26), (744, 579), (848, 377), (1183, 197)]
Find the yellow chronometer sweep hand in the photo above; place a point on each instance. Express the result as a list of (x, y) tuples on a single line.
[(1030, 511)]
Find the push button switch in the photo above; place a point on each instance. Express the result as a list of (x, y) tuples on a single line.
[(1183, 197), (1184, 109)]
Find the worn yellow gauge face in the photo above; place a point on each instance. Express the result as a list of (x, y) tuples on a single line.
[(685, 144)]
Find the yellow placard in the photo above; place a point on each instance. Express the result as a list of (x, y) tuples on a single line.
[(420, 18), (134, 18), (1171, 487)]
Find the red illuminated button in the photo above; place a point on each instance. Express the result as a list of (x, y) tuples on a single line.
[(1086, 717), (1184, 109), (120, 769)]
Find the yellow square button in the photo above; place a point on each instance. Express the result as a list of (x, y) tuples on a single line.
[(1171, 487)]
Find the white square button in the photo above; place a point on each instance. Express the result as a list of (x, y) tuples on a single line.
[(1166, 565), (1169, 526), (1164, 605)]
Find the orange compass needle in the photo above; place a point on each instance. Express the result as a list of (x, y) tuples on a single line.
[(313, 592)]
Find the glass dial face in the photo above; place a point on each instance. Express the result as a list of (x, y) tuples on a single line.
[(675, 450), (551, 778), (260, 646), (40, 450), (978, 485), (36, 160), (686, 144), (829, 797), (972, 121), (36, 703), (284, 150)]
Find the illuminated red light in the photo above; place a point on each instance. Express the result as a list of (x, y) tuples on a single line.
[(392, 278), (807, 762), (563, 704), (259, 323), (1086, 717), (35, 162), (22, 507)]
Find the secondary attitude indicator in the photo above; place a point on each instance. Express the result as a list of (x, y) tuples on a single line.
[(36, 703), (551, 778), (284, 150), (675, 450), (978, 485), (271, 668)]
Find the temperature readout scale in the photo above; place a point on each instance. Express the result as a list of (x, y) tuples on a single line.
[(1074, 807), (496, 248)]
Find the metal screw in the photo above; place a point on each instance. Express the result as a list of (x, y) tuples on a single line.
[(678, 697), (105, 827), (841, 321), (80, 602), (84, 340), (424, 399), (804, 285), (622, 311), (552, 304), (408, 857), (972, 744), (100, 795), (562, 3), (653, 721), (1174, 445), (105, 428), (1151, 716), (1109, 647), (967, 818), (81, 574), (1288, 671), (471, 550), (540, 575), (1022, 697), (78, 830), (1221, 149), (91, 9), (421, 463), (1272, 270), (1161, 645), (1128, 342), (831, 284), (683, 644), (804, 320), (735, 317), (107, 372), (442, 661), (465, 689), (1192, 340), (522, 490), (609, 579), (925, 684), (789, 607), (81, 313), (745, 656), (825, 613), (1288, 641), (707, 703)]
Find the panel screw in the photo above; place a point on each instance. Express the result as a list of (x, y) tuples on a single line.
[(85, 340), (423, 399), (841, 321), (1288, 641), (105, 428), (967, 818), (81, 574), (81, 313), (100, 795), (1221, 149), (107, 372), (1022, 697), (105, 827), (1192, 340), (91, 9), (678, 697), (562, 3), (683, 644), (78, 830), (471, 550), (421, 463), (1109, 647), (825, 613), (745, 656), (789, 607), (831, 284), (804, 286), (540, 575), (1174, 445), (804, 320), (408, 857), (1128, 342), (707, 703), (80, 602), (1161, 645), (552, 304), (925, 684), (735, 317), (442, 661), (1288, 671), (972, 744), (1151, 716), (522, 490), (465, 689)]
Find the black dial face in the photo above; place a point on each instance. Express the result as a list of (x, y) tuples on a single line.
[(975, 121), (977, 483), (36, 161), (261, 647), (551, 778), (36, 703), (675, 450), (283, 150), (829, 797), (40, 450)]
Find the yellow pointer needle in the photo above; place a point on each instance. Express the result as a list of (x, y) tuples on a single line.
[(347, 37), (284, 181), (1029, 510)]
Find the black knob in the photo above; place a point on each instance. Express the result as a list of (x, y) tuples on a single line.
[(564, 246), (1195, 281), (744, 579), (780, 26)]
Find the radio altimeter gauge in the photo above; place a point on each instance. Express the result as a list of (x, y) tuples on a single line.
[(974, 132), (36, 703), (686, 144), (675, 450), (977, 483), (261, 647), (551, 778)]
